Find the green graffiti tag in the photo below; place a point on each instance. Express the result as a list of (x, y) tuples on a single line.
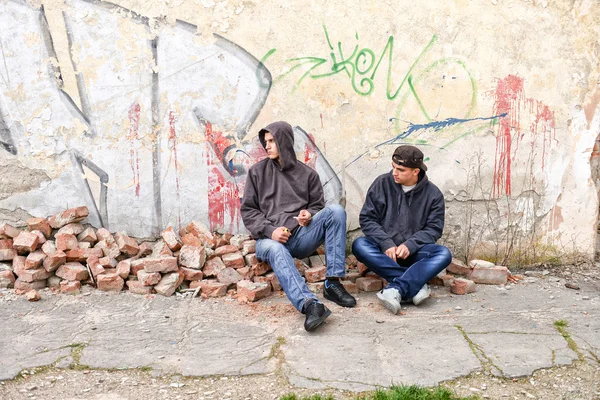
[(362, 65)]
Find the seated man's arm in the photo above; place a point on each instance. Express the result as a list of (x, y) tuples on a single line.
[(433, 227), (254, 220), (371, 215), (316, 200)]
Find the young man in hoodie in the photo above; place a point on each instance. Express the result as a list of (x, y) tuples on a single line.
[(284, 210), (402, 218)]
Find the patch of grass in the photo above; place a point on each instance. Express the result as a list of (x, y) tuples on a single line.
[(313, 397), (276, 348), (403, 392), (561, 326)]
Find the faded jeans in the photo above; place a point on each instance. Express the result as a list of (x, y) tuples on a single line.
[(327, 225), (408, 275)]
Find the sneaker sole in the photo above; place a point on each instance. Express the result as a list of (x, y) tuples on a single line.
[(339, 304), (318, 322), (391, 307), (418, 300)]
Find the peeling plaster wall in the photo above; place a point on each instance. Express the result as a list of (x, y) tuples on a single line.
[(147, 112)]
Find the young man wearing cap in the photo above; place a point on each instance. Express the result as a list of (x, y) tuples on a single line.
[(284, 209), (402, 218)]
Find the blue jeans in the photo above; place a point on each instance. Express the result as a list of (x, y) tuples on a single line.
[(408, 275), (327, 225)]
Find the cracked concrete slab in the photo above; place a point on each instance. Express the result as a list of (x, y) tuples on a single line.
[(508, 331)]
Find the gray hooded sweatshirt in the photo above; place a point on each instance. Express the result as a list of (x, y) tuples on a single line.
[(275, 193)]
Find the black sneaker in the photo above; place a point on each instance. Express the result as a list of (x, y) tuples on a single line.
[(316, 313), (336, 292)]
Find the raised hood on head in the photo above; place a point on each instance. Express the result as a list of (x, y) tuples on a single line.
[(283, 134)]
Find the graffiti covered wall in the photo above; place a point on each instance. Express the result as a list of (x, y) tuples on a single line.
[(147, 112)]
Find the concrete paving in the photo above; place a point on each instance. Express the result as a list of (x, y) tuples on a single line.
[(503, 330)]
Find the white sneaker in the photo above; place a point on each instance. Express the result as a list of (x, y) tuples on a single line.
[(422, 295), (390, 299)]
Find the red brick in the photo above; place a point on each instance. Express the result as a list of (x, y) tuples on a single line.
[(18, 264), (316, 261), (250, 259), (190, 274), (249, 246), (7, 279), (351, 260), (65, 241), (137, 287), (49, 247), (212, 288), (457, 267), (31, 275), (269, 278), (459, 286), (233, 260), (171, 239), (192, 257), (88, 235), (7, 254), (149, 278), (351, 287), (190, 240), (481, 264), (145, 250), (8, 231), (315, 274), (104, 234), (219, 251), (246, 273), (220, 241), (490, 276), (213, 267), (110, 282), (34, 260), (127, 245), (41, 238), (70, 287), (315, 287), (33, 295), (84, 245), (169, 283), (447, 280), (136, 265), (238, 240), (81, 255), (77, 214), (471, 287), (261, 268), (26, 242), (200, 231), (109, 248), (301, 266), (72, 271), (252, 291), (23, 286), (362, 268), (124, 268), (6, 244), (161, 264), (369, 284), (40, 224), (54, 260), (71, 229), (95, 267), (108, 262), (228, 276), (353, 276)]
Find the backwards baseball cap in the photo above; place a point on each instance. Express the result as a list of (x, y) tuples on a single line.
[(409, 156)]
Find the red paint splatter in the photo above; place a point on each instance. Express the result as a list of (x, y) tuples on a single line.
[(310, 153), (510, 100), (134, 121), (173, 143)]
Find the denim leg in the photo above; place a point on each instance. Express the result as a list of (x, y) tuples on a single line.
[(280, 259), (408, 276), (329, 224), (368, 252), (426, 263)]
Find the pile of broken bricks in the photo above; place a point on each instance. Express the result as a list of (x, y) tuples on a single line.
[(62, 253)]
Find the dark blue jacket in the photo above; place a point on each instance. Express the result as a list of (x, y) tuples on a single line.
[(392, 217)]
